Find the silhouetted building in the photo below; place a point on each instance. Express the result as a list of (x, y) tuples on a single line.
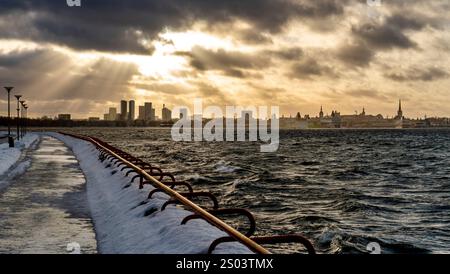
[(141, 115), (131, 111), (400, 111), (111, 115), (149, 112), (358, 120), (123, 110), (166, 114), (64, 117), (336, 119)]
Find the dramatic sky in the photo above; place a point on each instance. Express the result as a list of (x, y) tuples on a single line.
[(297, 54)]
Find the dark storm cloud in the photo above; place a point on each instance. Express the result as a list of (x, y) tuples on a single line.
[(310, 68), (358, 54), (414, 74), (17, 57), (383, 36), (231, 63), (120, 26), (391, 33), (29, 66), (406, 22)]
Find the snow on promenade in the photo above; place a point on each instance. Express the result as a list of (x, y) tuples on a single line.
[(10, 156), (124, 225)]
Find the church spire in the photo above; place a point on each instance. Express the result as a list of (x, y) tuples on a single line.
[(400, 111)]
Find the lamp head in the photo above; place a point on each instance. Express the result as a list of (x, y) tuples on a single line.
[(18, 97), (8, 89)]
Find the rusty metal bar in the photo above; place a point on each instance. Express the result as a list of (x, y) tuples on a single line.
[(279, 239), (228, 211), (153, 191), (171, 184), (210, 218), (192, 195)]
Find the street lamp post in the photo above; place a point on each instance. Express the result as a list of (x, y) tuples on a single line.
[(18, 116), (10, 139), (22, 103), (26, 118)]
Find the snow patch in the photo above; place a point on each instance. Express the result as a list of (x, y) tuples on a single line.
[(10, 156)]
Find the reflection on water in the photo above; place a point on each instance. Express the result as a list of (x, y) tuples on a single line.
[(341, 188), (46, 208)]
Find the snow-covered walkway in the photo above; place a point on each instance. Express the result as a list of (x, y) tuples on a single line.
[(45, 209)]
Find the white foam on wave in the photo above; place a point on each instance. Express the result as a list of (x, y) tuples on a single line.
[(224, 167)]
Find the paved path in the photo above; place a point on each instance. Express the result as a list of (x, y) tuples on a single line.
[(45, 209)]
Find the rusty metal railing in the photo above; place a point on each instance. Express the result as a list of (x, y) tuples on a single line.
[(149, 174)]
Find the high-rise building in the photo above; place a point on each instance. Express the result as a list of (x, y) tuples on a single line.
[(149, 111), (131, 111), (123, 110), (166, 114), (153, 115), (112, 115), (141, 115)]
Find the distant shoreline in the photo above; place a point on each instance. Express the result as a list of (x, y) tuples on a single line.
[(38, 128)]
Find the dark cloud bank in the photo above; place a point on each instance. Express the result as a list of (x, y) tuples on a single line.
[(120, 26)]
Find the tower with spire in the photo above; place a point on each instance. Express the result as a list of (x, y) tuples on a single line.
[(321, 112), (400, 111)]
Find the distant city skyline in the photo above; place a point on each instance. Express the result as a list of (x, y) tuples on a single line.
[(295, 54), (114, 112)]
